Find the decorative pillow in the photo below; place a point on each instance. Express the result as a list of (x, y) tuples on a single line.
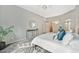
[(55, 37), (60, 35), (67, 38)]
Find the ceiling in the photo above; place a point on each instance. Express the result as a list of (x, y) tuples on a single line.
[(48, 10)]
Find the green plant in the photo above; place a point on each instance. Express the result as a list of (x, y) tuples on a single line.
[(5, 31)]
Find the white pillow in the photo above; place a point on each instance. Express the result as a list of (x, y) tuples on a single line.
[(67, 38), (75, 44)]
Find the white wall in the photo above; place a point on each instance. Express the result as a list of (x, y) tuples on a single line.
[(14, 15), (77, 18), (62, 18), (19, 17)]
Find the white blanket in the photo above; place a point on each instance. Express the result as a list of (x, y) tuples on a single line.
[(46, 41)]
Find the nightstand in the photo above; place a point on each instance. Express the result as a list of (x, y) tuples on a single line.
[(31, 33)]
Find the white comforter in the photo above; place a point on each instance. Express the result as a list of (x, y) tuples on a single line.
[(46, 41)]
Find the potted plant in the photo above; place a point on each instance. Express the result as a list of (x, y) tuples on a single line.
[(3, 33)]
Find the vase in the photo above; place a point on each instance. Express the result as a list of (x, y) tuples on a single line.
[(2, 45)]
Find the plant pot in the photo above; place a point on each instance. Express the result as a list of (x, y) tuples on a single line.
[(2, 45)]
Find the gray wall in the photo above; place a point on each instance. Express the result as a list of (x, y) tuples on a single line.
[(20, 18)]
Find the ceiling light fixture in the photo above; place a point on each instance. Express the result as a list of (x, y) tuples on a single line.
[(44, 6)]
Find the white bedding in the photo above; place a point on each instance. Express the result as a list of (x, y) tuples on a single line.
[(46, 41)]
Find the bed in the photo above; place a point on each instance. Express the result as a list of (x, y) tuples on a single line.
[(47, 42)]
